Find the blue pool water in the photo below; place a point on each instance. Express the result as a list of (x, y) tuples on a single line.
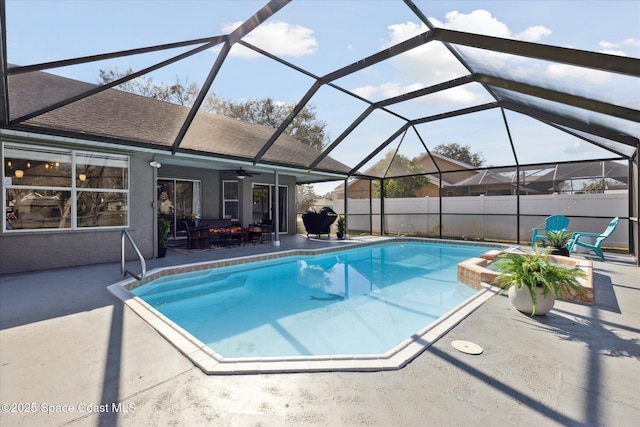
[(358, 301)]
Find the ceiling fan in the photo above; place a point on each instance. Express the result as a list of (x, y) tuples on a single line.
[(241, 173)]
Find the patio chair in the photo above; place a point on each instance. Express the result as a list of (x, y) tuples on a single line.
[(551, 223), (266, 234), (187, 228), (599, 238), (197, 237)]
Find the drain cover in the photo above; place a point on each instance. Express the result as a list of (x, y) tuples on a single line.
[(466, 347)]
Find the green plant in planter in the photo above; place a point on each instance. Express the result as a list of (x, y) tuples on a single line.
[(341, 224), (163, 232), (558, 240), (534, 273)]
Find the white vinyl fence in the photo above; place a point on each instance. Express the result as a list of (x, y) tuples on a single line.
[(490, 217)]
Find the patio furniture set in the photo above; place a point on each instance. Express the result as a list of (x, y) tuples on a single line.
[(224, 232), (557, 223)]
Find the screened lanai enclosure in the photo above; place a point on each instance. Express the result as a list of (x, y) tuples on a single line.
[(556, 126)]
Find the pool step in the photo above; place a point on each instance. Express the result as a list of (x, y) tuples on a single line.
[(171, 283), (197, 289)]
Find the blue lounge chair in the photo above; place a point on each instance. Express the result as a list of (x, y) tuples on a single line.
[(551, 223), (599, 238)]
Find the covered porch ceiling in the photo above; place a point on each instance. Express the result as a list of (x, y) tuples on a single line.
[(232, 166)]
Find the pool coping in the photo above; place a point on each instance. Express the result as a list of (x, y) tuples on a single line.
[(212, 362)]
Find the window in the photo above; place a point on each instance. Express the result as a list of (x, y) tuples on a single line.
[(230, 200), (51, 188)]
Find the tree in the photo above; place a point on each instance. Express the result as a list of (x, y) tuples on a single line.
[(180, 92), (305, 126), (397, 164), (305, 196), (597, 185), (458, 152)]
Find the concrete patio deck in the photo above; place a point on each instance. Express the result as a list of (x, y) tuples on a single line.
[(70, 348)]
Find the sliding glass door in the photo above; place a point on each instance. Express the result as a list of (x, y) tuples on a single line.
[(177, 200), (264, 205)]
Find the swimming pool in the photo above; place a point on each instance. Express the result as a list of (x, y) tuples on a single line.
[(362, 306)]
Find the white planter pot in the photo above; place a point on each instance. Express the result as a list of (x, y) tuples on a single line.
[(521, 300)]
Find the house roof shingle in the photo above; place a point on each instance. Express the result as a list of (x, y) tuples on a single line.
[(125, 117)]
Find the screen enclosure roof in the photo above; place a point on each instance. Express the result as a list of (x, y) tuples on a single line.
[(415, 84)]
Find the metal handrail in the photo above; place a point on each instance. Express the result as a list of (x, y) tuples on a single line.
[(143, 264)]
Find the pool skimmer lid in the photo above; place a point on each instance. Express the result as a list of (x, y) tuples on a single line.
[(466, 347)]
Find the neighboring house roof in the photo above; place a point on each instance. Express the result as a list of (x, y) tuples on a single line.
[(537, 182), (576, 171), (428, 164), (548, 178), (447, 179), (123, 117), (588, 170), (485, 177), (443, 161), (446, 165)]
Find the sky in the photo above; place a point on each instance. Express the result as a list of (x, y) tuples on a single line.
[(322, 36)]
